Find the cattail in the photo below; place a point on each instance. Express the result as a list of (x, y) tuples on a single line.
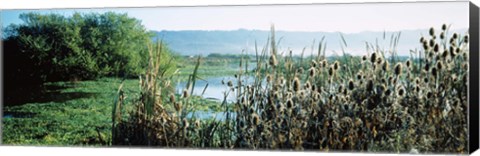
[(432, 31), (398, 69), (273, 61), (296, 84), (172, 98), (350, 84), (373, 57), (185, 93)]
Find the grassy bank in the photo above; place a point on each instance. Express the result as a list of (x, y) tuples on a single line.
[(72, 113)]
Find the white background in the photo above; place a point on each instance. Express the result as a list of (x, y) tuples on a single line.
[(52, 151)]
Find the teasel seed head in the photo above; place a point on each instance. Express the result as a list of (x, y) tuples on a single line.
[(312, 71), (269, 79), (373, 57), (256, 119), (359, 75), (442, 35), (289, 104), (296, 84), (439, 65), (408, 63), (398, 69), (432, 42), (465, 39), (387, 92), (230, 84), (444, 27), (364, 58), (454, 78), (425, 80), (434, 71), (307, 85), (340, 88), (429, 94), (465, 66), (432, 31), (330, 71), (425, 45), (197, 123), (336, 65), (314, 64), (369, 85), (436, 48), (400, 92), (273, 61), (422, 39), (455, 36), (351, 85)]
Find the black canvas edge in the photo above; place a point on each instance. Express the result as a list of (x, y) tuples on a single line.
[(473, 125), (1, 78)]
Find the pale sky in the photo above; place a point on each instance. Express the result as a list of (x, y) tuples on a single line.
[(347, 18)]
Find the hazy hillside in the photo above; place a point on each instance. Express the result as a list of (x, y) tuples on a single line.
[(205, 42)]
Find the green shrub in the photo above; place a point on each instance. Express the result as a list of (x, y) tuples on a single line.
[(83, 46)]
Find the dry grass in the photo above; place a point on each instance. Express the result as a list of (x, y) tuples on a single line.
[(381, 105)]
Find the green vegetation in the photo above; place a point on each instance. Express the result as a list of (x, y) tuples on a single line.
[(73, 114), (53, 47), (377, 104)]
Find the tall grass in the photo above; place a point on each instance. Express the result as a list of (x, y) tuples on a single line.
[(376, 103)]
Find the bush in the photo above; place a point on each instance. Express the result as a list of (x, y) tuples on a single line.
[(83, 46)]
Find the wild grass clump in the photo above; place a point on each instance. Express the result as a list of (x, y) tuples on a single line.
[(380, 104)]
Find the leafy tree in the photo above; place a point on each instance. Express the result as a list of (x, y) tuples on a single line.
[(83, 46)]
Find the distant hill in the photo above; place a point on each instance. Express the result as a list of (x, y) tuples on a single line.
[(194, 42)]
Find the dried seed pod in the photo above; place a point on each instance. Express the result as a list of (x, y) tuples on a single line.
[(398, 69)]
